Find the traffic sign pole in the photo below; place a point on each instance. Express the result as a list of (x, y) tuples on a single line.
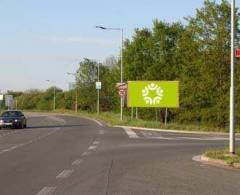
[(232, 90)]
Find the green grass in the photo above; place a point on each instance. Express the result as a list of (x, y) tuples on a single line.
[(223, 154)]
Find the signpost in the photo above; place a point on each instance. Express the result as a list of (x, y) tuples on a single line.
[(98, 85), (122, 89), (164, 94), (237, 53), (9, 101), (1, 100)]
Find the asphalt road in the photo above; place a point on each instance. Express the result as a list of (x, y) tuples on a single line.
[(69, 155)]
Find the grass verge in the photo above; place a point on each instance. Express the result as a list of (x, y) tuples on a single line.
[(223, 154), (112, 118)]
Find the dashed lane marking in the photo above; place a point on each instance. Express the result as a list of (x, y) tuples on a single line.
[(29, 142), (92, 147), (96, 142), (130, 133), (64, 174), (77, 162), (47, 191), (85, 153)]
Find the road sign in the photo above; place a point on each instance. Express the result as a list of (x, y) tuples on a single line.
[(8, 100), (1, 97), (98, 85), (153, 94), (237, 53), (122, 89)]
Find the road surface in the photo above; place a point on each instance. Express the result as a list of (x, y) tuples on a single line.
[(67, 155)]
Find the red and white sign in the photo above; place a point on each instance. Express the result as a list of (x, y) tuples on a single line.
[(122, 89), (237, 53)]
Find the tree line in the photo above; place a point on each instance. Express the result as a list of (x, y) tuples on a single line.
[(196, 53)]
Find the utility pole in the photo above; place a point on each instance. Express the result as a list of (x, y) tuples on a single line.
[(232, 88), (121, 30), (76, 88), (54, 98), (98, 92), (54, 95), (122, 72)]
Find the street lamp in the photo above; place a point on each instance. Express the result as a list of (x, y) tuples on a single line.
[(121, 68), (76, 97), (232, 89), (54, 95), (98, 88)]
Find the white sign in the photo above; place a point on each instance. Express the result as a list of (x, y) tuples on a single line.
[(1, 97), (8, 100), (98, 85)]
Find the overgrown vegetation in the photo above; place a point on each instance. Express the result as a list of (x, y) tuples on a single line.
[(197, 54)]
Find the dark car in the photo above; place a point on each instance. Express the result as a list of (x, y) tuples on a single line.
[(14, 119)]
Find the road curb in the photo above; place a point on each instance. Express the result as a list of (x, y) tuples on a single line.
[(215, 162), (173, 131)]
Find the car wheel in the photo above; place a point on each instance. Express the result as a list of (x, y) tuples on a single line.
[(21, 126)]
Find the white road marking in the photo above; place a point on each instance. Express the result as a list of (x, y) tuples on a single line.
[(96, 121), (163, 138), (197, 158), (64, 174), (29, 142), (155, 136), (77, 162), (10, 133), (47, 191), (101, 132), (85, 153), (130, 133), (92, 147), (96, 142)]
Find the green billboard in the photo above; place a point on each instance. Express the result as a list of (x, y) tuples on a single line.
[(153, 94)]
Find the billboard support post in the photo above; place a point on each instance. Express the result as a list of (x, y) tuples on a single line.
[(166, 116)]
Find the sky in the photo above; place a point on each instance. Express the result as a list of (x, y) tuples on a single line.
[(44, 39)]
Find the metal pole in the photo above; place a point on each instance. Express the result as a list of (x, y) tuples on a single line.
[(76, 101), (98, 93), (131, 113), (54, 98), (119, 29), (166, 115), (121, 72), (136, 113), (232, 90)]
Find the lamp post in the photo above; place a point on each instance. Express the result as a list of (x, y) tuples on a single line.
[(76, 96), (98, 92), (232, 88), (54, 95), (121, 68)]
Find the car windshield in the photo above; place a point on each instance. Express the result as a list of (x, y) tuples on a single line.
[(11, 114)]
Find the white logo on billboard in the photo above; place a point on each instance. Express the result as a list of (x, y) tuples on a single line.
[(153, 89)]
